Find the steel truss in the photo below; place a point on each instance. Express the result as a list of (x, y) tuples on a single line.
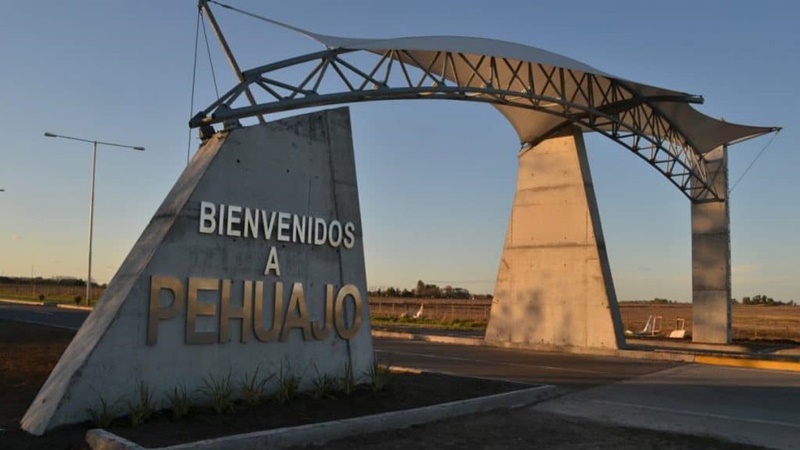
[(590, 101)]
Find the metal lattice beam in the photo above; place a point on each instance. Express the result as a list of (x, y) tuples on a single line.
[(593, 102)]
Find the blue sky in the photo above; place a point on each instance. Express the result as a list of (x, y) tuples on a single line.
[(436, 178)]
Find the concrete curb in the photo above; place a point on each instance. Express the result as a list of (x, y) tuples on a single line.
[(680, 345), (750, 363), (100, 439), (320, 433), (427, 338), (655, 355), (21, 302), (79, 308)]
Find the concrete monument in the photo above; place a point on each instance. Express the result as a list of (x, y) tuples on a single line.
[(554, 285), (254, 261)]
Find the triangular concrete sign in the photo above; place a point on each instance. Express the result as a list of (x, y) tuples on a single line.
[(254, 261)]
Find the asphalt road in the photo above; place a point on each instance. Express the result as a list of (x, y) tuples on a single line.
[(43, 315), (567, 371), (743, 405), (563, 370)]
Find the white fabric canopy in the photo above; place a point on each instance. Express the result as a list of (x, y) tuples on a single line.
[(702, 133)]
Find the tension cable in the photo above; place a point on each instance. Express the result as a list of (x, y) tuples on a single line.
[(754, 160), (194, 79)]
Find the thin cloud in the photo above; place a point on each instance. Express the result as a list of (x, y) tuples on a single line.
[(16, 237)]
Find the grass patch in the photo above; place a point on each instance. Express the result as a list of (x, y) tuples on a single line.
[(218, 394), (325, 386), (381, 376), (103, 415), (180, 403), (142, 409), (288, 385), (454, 324), (254, 387)]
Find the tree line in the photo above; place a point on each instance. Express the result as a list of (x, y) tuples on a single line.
[(426, 290), (762, 299), (58, 281)]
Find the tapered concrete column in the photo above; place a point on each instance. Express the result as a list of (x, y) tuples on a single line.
[(554, 285), (711, 258)]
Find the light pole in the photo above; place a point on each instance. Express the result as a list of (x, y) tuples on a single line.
[(91, 197)]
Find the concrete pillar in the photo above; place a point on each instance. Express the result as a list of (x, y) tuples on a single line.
[(554, 286), (711, 258)]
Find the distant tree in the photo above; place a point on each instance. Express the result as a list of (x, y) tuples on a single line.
[(763, 300), (447, 291), (460, 293), (425, 290)]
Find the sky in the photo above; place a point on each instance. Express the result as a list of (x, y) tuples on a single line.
[(436, 178)]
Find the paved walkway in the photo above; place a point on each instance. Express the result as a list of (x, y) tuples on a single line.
[(742, 405)]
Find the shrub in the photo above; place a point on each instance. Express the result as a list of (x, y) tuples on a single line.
[(179, 402), (103, 416), (140, 411), (78, 299), (218, 393), (288, 385), (253, 388), (347, 383), (381, 375), (324, 386)]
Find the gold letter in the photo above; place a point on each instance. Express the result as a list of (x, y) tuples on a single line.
[(228, 312), (195, 308), (322, 332), (272, 262), (341, 321), (277, 313), (156, 312), (299, 320)]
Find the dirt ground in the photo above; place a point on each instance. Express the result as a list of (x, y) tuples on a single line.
[(749, 322), (29, 352)]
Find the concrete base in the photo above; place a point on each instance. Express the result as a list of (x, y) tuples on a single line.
[(711, 259), (318, 434), (195, 304), (554, 284)]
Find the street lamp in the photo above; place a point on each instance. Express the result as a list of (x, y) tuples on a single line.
[(91, 197)]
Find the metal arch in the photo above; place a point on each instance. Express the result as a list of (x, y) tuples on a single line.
[(594, 102)]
